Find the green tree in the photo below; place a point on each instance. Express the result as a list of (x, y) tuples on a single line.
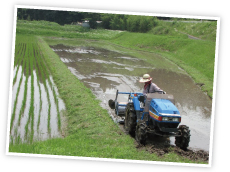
[(133, 23), (106, 19), (115, 22)]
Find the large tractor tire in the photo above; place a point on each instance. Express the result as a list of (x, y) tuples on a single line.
[(141, 132), (130, 119), (183, 140)]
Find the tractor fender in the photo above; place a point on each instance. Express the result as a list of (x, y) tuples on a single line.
[(136, 104)]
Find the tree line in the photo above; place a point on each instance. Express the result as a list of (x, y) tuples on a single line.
[(132, 23)]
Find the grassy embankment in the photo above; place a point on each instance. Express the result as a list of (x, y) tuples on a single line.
[(91, 132)]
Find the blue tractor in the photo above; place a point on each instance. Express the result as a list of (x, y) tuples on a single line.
[(154, 113)]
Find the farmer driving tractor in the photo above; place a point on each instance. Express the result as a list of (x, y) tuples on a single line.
[(149, 86)]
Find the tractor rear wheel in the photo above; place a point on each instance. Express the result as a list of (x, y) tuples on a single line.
[(130, 119), (141, 132), (183, 140)]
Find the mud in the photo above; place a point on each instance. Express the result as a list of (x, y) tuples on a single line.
[(163, 150), (105, 71)]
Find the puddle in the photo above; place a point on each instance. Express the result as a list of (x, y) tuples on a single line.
[(105, 71)]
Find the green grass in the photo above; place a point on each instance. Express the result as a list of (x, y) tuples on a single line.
[(205, 30), (67, 31)]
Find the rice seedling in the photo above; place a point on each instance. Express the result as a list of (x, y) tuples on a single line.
[(39, 87), (15, 103), (25, 94), (27, 76), (47, 73), (19, 60), (43, 78)]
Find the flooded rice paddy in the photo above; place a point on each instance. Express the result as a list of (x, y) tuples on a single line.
[(105, 71), (36, 111)]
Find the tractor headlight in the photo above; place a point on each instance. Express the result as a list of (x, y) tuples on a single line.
[(165, 119), (176, 119), (173, 119)]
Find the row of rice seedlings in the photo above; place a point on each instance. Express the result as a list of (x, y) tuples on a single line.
[(19, 60), (22, 109), (57, 108), (15, 104), (46, 69), (25, 68), (19, 54), (28, 72), (16, 99), (29, 58), (17, 51), (31, 110), (36, 54), (43, 74)]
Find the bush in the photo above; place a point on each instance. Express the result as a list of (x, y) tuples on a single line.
[(160, 30)]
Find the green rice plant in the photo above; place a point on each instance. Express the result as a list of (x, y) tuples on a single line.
[(29, 71), (24, 95), (47, 72), (57, 108), (31, 110), (17, 53), (36, 55), (15, 104), (16, 99), (18, 58), (41, 68), (27, 76)]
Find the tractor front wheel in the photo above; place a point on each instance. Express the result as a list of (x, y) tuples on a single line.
[(183, 140), (141, 132)]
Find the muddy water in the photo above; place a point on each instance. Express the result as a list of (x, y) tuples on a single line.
[(106, 71)]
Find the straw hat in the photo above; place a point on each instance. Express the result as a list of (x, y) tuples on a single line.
[(146, 78)]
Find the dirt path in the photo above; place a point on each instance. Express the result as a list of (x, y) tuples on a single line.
[(189, 36)]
